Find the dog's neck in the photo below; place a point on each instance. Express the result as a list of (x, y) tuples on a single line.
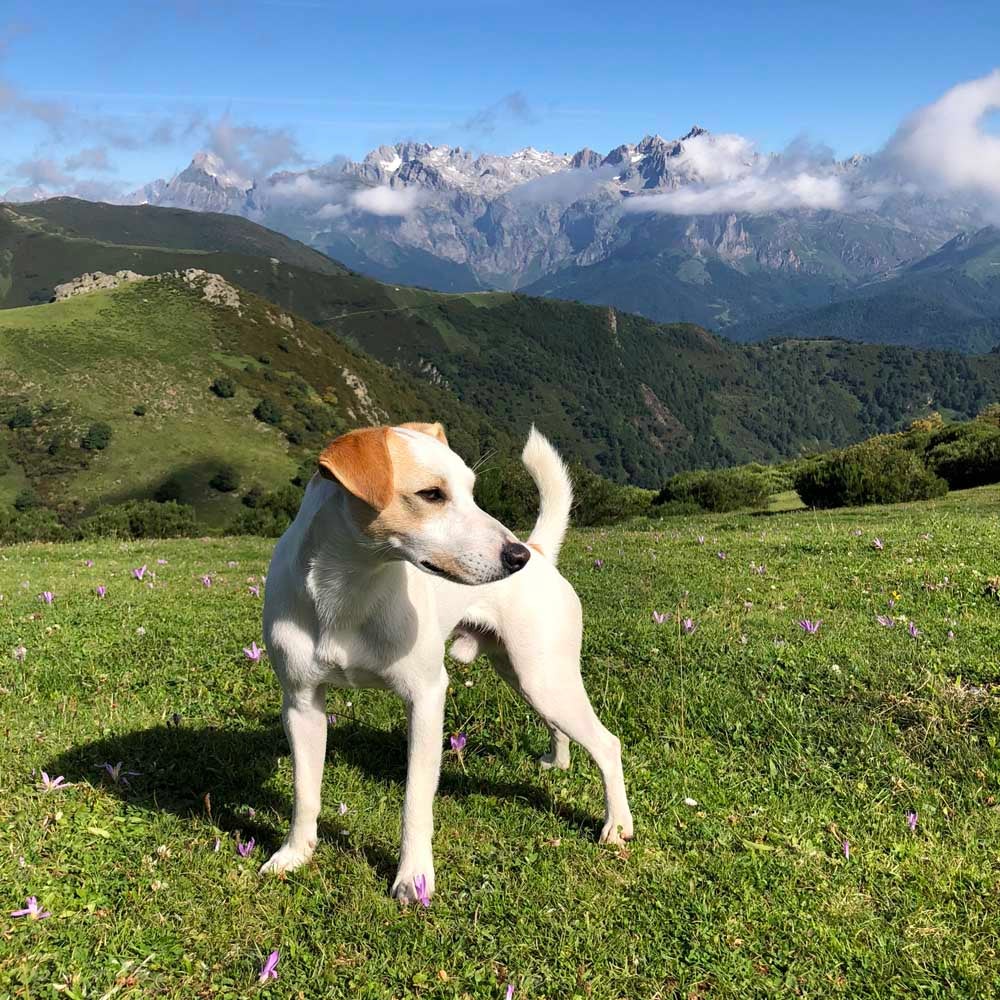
[(349, 578)]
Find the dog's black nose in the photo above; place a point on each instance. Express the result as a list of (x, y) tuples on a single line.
[(514, 555)]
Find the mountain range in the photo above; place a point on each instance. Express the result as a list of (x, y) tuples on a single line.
[(321, 347), (699, 229)]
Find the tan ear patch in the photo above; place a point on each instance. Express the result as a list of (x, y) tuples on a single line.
[(435, 430), (360, 462)]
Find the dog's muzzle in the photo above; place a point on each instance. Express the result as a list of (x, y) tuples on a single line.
[(514, 556)]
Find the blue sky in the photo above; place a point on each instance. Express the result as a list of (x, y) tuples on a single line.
[(121, 93)]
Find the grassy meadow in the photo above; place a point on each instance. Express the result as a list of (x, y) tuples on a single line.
[(816, 813)]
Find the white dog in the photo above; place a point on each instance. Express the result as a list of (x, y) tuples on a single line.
[(388, 555)]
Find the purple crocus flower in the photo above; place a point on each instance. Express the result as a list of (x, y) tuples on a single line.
[(245, 850), (47, 596), (721, 556), (420, 888), (254, 591), (700, 539), (116, 774), (331, 719), (846, 848), (206, 580), (911, 821), (31, 910), (458, 742), (913, 630), (161, 562), (100, 590), (659, 618), (20, 652), (252, 652), (951, 635), (48, 784), (810, 627), (139, 572), (269, 970), (688, 625), (877, 544), (510, 991), (88, 562), (342, 808), (218, 844), (885, 621), (598, 564)]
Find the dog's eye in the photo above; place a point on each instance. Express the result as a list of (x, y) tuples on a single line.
[(433, 495)]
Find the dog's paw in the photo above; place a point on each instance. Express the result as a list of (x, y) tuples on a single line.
[(617, 830), (415, 887), (554, 760), (286, 859)]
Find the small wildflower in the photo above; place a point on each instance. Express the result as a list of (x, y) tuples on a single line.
[(31, 910), (332, 720), (877, 544), (139, 572), (700, 539), (20, 652), (688, 625), (598, 564), (254, 591), (885, 621), (911, 821), (809, 627), (342, 808), (721, 556), (420, 888), (116, 774), (846, 848), (913, 630), (47, 596), (244, 850), (88, 563), (218, 844), (458, 742), (269, 970), (951, 635), (659, 618), (252, 652), (206, 580), (161, 562), (691, 803), (100, 590), (140, 631), (48, 784), (468, 683), (510, 992)]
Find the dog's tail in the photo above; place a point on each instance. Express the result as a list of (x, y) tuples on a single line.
[(555, 493)]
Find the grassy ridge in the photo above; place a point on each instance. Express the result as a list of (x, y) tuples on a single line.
[(789, 743)]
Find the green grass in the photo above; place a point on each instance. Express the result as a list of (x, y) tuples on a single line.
[(790, 744)]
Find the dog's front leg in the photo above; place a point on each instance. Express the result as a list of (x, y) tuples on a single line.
[(425, 713), (303, 712)]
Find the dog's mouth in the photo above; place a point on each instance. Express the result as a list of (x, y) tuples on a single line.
[(437, 571)]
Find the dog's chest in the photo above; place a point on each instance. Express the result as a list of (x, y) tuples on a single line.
[(354, 657)]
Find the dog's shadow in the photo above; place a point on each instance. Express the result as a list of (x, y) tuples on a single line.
[(180, 765)]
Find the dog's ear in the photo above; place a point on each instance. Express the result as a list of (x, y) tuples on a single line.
[(360, 462), (435, 430)]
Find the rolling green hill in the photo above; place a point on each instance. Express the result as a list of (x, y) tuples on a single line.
[(633, 399), (154, 348)]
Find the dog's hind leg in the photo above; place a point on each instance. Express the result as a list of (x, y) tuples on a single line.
[(555, 690), (303, 712)]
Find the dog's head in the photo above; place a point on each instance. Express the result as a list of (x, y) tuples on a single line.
[(410, 493)]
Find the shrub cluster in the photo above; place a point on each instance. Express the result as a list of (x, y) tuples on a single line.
[(877, 471), (719, 490)]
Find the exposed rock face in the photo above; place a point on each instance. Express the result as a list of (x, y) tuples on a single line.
[(94, 282), (214, 288)]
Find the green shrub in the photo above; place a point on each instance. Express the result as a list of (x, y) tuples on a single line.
[(719, 490), (171, 490), (141, 519), (967, 458), (26, 499), (140, 410), (97, 438), (21, 417), (38, 524), (268, 412), (869, 473), (224, 388), (270, 515), (226, 480), (264, 359)]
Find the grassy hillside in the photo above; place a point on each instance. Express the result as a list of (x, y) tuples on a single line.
[(786, 745), (158, 346), (633, 399)]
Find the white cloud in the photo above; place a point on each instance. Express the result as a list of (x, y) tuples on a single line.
[(331, 210), (388, 201), (944, 144), (726, 173)]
